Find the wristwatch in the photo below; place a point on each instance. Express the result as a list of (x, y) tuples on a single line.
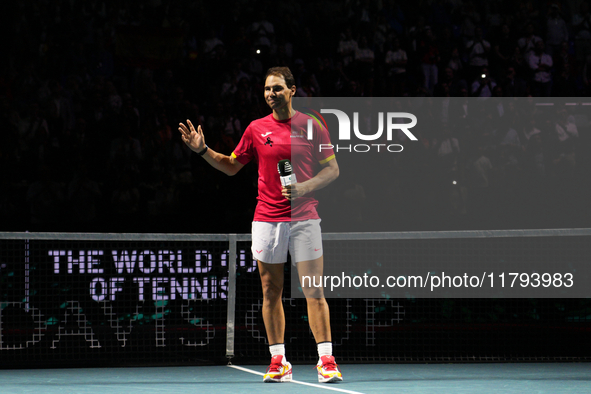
[(203, 151)]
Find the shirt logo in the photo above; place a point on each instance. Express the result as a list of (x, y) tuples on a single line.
[(266, 134), (269, 142), (298, 134)]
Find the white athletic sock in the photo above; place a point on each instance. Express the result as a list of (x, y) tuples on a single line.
[(277, 350), (324, 349)]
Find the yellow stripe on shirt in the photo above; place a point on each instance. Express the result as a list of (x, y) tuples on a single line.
[(327, 159), (233, 155)]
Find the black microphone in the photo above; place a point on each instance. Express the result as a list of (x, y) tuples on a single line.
[(286, 174)]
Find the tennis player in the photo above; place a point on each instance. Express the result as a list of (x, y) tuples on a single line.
[(285, 218)]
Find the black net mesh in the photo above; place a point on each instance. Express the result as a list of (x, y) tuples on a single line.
[(121, 303), (74, 303), (432, 329)]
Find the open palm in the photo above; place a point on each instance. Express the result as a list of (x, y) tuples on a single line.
[(193, 138)]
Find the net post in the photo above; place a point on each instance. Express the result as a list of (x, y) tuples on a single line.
[(230, 320), (27, 272)]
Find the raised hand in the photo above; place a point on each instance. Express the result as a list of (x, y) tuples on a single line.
[(193, 138)]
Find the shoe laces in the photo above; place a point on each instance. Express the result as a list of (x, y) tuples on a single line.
[(276, 364), (329, 364)]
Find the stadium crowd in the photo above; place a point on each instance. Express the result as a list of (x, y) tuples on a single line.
[(91, 93)]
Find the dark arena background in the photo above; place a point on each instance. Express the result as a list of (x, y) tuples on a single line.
[(131, 235)]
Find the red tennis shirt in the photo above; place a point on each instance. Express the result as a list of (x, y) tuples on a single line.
[(267, 141)]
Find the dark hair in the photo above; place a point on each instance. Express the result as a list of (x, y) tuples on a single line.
[(284, 72)]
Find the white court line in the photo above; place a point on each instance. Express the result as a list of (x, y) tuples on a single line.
[(325, 387), (545, 104)]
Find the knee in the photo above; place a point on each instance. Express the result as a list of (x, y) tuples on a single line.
[(271, 291), (318, 302)]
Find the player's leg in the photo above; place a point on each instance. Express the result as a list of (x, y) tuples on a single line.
[(269, 245), (306, 251), (274, 318), (318, 312), (273, 314), (319, 319)]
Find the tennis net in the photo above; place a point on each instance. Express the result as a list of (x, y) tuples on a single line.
[(187, 299)]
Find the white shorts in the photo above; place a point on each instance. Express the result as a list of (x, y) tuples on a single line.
[(271, 241)]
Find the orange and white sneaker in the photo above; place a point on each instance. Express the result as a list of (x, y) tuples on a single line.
[(279, 371), (328, 370)]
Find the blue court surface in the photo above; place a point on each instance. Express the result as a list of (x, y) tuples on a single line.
[(359, 378)]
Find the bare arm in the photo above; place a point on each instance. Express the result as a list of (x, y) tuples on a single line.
[(196, 141), (328, 173)]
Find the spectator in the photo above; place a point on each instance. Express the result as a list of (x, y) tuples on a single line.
[(130, 113), (114, 100), (566, 127), (514, 86), (84, 196), (510, 140), (478, 50), (587, 76), (364, 65), (347, 49), (456, 63), (480, 170), (564, 158), (530, 129), (308, 85), (494, 18), (517, 61), (470, 18), (448, 186), (446, 43), (60, 117), (263, 33), (166, 197), (483, 84), (211, 43), (528, 42), (31, 126), (380, 33), (556, 30), (503, 48), (327, 77), (565, 70), (541, 63), (449, 83), (429, 55), (535, 160), (126, 151), (396, 60), (582, 28)]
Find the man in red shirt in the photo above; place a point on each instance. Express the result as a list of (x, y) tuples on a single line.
[(285, 217)]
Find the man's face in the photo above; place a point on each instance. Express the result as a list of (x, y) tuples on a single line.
[(277, 94)]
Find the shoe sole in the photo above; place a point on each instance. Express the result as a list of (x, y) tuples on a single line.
[(333, 379), (285, 378)]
